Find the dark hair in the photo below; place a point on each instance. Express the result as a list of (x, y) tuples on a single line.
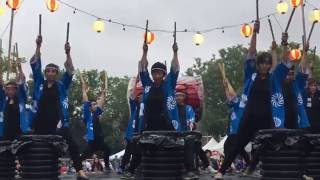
[(11, 82), (159, 66), (52, 66), (312, 81), (264, 57), (208, 151)]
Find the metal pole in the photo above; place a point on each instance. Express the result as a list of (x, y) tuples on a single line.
[(303, 23), (10, 41), (292, 13)]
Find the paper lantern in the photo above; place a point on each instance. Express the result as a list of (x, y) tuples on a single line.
[(150, 37), (314, 15), (296, 3), (14, 4), (98, 26), (295, 54), (198, 39), (282, 7), (2, 10), (52, 5), (246, 30)]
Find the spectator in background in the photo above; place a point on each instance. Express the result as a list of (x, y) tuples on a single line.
[(96, 165)]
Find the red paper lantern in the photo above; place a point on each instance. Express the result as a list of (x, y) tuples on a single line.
[(150, 37), (295, 54), (52, 5), (246, 30), (14, 4), (296, 3)]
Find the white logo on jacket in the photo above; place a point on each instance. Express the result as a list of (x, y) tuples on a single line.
[(147, 89), (175, 124), (300, 100), (65, 103), (277, 121), (277, 100), (171, 103), (243, 101)]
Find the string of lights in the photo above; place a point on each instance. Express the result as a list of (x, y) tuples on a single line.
[(282, 8)]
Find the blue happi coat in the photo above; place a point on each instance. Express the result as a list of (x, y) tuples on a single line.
[(22, 98), (168, 89), (190, 117), (89, 117), (234, 107), (277, 103), (62, 85), (134, 124), (298, 86)]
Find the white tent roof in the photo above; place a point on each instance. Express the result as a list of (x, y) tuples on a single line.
[(118, 154), (210, 144), (220, 146)]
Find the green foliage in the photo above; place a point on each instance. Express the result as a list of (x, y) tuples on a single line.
[(216, 112)]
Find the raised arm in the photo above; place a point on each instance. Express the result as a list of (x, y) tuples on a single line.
[(143, 63), (67, 77), (84, 88), (175, 66), (35, 62), (303, 62), (102, 98), (274, 55), (253, 43), (285, 49)]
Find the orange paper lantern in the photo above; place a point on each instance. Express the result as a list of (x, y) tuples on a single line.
[(150, 37), (295, 54), (246, 30), (296, 3), (14, 4), (52, 5)]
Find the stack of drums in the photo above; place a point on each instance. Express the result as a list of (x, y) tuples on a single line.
[(7, 161), (312, 158), (282, 154), (162, 159), (39, 157)]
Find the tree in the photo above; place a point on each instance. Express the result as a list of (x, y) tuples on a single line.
[(216, 113)]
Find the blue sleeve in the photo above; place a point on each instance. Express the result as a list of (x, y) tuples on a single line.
[(98, 111), (86, 111), (36, 69), (172, 78), (145, 78), (301, 80), (249, 68), (132, 104), (2, 97), (66, 80), (280, 72), (23, 92), (190, 114)]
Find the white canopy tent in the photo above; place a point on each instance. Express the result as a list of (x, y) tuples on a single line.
[(220, 146), (210, 144), (118, 154)]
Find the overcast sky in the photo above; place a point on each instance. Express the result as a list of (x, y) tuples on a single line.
[(118, 51)]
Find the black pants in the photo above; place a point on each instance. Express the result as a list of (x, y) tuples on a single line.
[(97, 145), (136, 156), (246, 133), (192, 150), (72, 147), (128, 152), (230, 142)]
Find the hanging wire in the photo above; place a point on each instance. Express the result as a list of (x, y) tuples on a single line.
[(7, 26), (277, 22), (160, 30)]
